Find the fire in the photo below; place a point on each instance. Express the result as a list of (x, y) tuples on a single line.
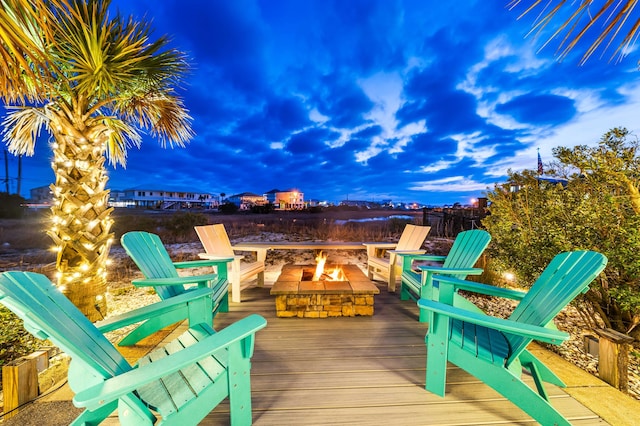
[(329, 275)]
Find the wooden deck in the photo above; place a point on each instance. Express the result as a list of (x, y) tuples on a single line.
[(363, 371)]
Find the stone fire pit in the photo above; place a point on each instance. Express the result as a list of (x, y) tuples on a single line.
[(296, 297)]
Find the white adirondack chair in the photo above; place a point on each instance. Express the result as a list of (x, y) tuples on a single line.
[(382, 259), (216, 245)]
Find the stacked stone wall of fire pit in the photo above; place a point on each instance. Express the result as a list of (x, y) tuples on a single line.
[(323, 299)]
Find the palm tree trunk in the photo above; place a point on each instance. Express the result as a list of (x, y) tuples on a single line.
[(81, 218)]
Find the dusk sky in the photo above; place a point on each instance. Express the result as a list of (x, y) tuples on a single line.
[(407, 100)]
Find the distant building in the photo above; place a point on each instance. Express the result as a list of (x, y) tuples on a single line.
[(360, 203), (162, 199), (246, 200), (138, 198), (290, 199), (41, 195)]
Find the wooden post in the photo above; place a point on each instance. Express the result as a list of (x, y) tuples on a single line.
[(613, 364), (20, 380), (19, 384)]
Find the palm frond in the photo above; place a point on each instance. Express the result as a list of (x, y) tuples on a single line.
[(100, 63), (122, 136), (21, 129), (108, 56), (24, 37), (600, 25), (164, 115)]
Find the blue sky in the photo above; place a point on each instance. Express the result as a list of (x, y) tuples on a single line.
[(408, 100)]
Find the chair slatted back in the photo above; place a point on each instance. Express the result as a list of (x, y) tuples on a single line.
[(467, 249), (151, 256), (567, 275), (48, 314), (412, 237), (215, 239)]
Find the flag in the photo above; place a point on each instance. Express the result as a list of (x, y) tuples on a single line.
[(540, 170)]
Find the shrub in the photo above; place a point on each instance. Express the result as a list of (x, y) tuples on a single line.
[(11, 206), (596, 206), (264, 209), (228, 208), (181, 225), (15, 341)]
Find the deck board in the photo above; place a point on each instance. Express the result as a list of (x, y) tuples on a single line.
[(363, 371)]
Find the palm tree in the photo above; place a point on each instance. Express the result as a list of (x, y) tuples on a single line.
[(94, 83), (578, 20)]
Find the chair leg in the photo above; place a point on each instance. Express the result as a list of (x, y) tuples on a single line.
[(95, 417), (234, 281), (437, 352), (542, 371), (404, 292), (224, 303), (239, 387), (392, 279), (511, 387)]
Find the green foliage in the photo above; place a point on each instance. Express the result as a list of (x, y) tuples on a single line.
[(596, 209), (182, 224), (15, 341), (228, 208), (264, 209), (11, 206)]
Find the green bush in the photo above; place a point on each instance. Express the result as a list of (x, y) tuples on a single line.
[(596, 206), (15, 341), (11, 206), (181, 225), (228, 208), (264, 209)]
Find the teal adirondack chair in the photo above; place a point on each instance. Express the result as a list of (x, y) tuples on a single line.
[(180, 383), (464, 253), (493, 349), (161, 273)]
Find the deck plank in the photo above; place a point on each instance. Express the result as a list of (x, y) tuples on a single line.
[(363, 371)]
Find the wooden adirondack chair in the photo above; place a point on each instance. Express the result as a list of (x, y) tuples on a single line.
[(463, 255), (161, 273), (493, 349), (178, 384), (387, 267), (217, 245)]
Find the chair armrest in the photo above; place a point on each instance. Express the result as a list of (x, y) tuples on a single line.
[(378, 249), (261, 252), (217, 257), (202, 263), (409, 258), (146, 312), (111, 389), (381, 245), (196, 279), (431, 257), (452, 271), (393, 259), (474, 287), (503, 325), (406, 252)]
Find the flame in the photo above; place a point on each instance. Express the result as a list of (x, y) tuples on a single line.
[(334, 275)]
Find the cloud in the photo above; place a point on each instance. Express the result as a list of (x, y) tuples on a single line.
[(539, 109), (403, 100)]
